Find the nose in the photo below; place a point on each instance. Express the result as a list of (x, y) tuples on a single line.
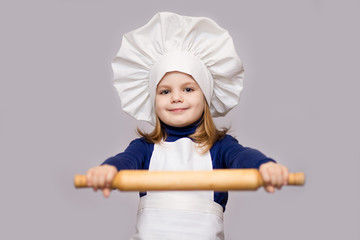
[(176, 97)]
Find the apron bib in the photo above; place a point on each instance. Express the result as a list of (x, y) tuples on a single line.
[(179, 214)]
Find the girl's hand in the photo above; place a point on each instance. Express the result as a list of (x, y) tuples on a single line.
[(100, 177), (274, 176)]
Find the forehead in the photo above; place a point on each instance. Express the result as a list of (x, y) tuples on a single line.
[(176, 78)]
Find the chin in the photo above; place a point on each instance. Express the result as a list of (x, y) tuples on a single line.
[(178, 124)]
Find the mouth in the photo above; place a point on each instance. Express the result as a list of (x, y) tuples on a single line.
[(177, 110)]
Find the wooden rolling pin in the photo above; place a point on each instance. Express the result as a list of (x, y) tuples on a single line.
[(217, 180)]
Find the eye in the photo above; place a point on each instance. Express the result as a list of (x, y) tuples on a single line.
[(163, 92), (188, 90)]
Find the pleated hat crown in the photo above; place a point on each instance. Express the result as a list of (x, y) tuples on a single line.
[(170, 42)]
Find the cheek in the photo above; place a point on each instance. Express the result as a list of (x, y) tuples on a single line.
[(200, 102), (158, 105), (201, 108)]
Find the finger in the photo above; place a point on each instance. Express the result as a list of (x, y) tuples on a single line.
[(269, 189), (273, 176), (109, 178), (95, 181), (106, 192), (285, 175), (265, 175), (279, 177), (101, 180), (276, 176), (89, 175)]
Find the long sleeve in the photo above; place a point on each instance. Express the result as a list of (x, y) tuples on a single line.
[(136, 156), (228, 153)]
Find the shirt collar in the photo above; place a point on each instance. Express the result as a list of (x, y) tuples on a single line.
[(174, 133)]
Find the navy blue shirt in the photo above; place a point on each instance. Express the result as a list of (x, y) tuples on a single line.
[(225, 153)]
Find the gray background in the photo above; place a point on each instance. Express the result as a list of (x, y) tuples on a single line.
[(60, 114)]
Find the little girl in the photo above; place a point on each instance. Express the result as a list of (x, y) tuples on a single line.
[(178, 72)]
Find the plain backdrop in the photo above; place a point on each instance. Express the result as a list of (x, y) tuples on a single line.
[(60, 114)]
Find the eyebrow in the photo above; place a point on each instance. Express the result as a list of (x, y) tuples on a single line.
[(184, 84)]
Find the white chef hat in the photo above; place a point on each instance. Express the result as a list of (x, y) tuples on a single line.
[(170, 42)]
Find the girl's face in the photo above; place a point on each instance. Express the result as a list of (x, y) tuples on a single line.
[(179, 100)]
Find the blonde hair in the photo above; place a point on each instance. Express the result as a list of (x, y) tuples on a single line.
[(206, 134)]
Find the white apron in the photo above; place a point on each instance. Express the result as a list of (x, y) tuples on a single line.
[(179, 214)]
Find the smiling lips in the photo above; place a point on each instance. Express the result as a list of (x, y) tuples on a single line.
[(177, 110)]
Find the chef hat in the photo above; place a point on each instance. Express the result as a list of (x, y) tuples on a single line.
[(170, 42)]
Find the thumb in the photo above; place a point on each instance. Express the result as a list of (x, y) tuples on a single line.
[(106, 192), (269, 188)]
